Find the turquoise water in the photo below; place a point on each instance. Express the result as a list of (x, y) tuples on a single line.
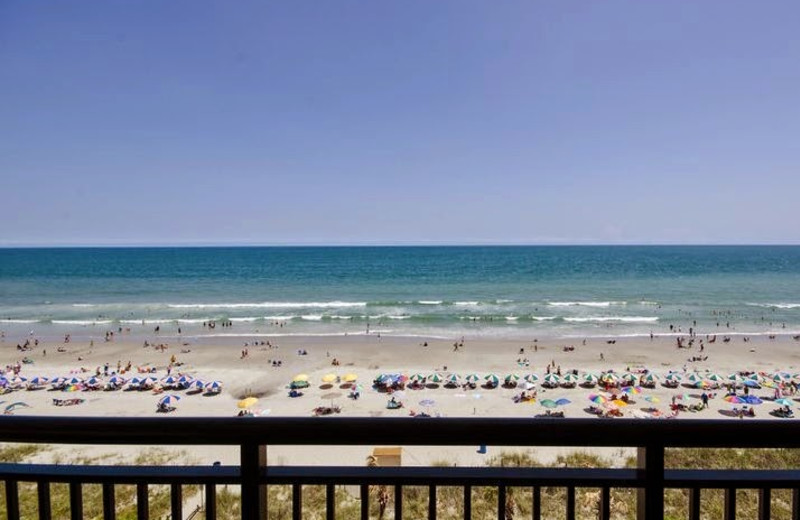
[(512, 291)]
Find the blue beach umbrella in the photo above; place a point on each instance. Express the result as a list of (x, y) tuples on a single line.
[(169, 400)]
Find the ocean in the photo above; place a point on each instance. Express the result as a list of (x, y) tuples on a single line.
[(525, 292)]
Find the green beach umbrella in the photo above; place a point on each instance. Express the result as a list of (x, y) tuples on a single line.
[(492, 378), (548, 403), (511, 377), (589, 378), (417, 377), (695, 378), (569, 378), (472, 377), (650, 377), (627, 377), (531, 378), (783, 402), (716, 378), (552, 379), (435, 378), (453, 378)]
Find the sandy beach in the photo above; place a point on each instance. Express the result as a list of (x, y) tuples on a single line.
[(257, 375)]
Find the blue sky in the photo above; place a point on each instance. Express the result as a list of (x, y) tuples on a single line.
[(399, 122)]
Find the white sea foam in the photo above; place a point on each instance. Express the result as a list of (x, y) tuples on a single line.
[(622, 319), (543, 318), (83, 305), (81, 322), (404, 317), (584, 304), (777, 305), (430, 302), (245, 320), (12, 320), (148, 321), (268, 305), (504, 301), (467, 304), (512, 318), (311, 317)]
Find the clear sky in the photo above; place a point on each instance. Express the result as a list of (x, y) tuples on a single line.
[(399, 121)]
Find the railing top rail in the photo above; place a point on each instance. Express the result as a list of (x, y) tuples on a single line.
[(400, 431)]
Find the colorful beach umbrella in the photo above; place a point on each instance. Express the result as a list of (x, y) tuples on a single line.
[(598, 399), (548, 403), (751, 399), (783, 402), (619, 402), (652, 399), (609, 378), (735, 399), (633, 390), (169, 400)]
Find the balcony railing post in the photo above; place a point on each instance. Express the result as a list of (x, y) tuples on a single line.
[(254, 495), (650, 498)]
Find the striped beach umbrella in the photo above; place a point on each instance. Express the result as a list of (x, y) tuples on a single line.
[(511, 378), (492, 379), (629, 378), (186, 380), (714, 378), (609, 378), (650, 378), (169, 380), (38, 381), (197, 384), (589, 378), (531, 378), (569, 379), (633, 390), (472, 378), (598, 399), (435, 378), (735, 377), (674, 377), (552, 379), (213, 386), (453, 379), (169, 400), (695, 378), (417, 377)]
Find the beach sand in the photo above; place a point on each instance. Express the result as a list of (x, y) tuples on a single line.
[(367, 356)]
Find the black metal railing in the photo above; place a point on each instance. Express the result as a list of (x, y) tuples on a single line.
[(254, 435)]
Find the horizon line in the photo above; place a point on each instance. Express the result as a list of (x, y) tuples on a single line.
[(190, 245)]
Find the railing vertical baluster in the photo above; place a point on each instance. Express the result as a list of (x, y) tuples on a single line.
[(537, 503), (650, 498), (109, 502), (211, 502), (398, 502), (730, 504), (252, 457), (764, 498), (605, 503), (364, 502), (432, 502), (467, 502), (297, 502), (694, 503), (12, 500), (571, 503), (142, 506), (176, 500), (795, 504), (330, 502), (501, 502), (76, 501), (43, 492)]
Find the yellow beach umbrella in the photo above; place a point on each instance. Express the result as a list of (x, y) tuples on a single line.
[(247, 402), (300, 377), (350, 378), (328, 378)]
